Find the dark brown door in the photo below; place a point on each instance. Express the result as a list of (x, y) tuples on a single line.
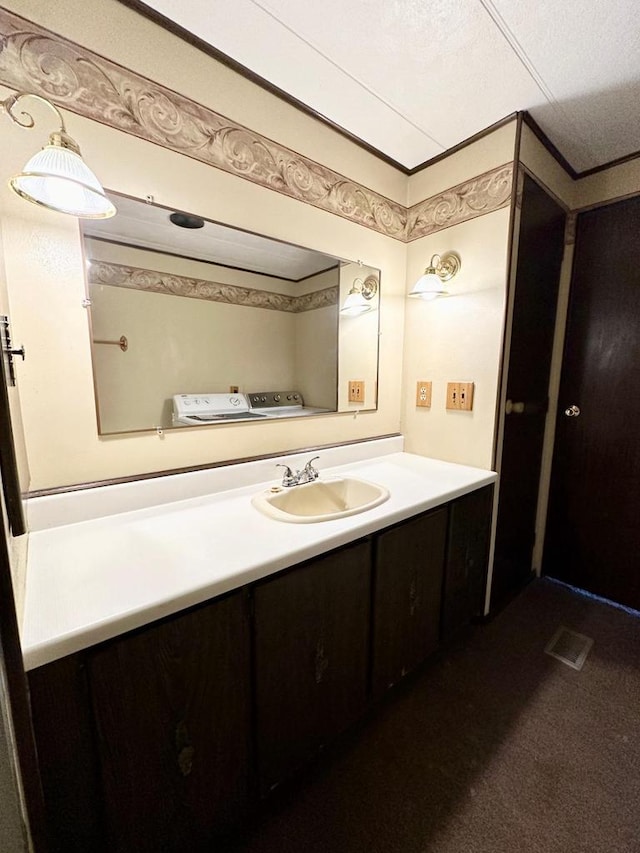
[(311, 637), (593, 527), (408, 584), (540, 251), (172, 712)]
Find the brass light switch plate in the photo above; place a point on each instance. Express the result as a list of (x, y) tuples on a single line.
[(460, 396), (356, 391), (423, 394)]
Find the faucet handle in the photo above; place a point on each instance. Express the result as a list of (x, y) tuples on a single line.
[(288, 478), (311, 471)]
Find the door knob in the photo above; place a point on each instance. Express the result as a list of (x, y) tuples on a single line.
[(572, 412), (515, 408)]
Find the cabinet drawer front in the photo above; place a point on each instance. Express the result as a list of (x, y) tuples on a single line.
[(311, 642), (409, 565)]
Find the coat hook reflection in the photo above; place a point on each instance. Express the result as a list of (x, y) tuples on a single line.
[(122, 342)]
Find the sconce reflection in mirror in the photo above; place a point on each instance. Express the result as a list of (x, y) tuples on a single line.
[(432, 283), (57, 177), (359, 298)]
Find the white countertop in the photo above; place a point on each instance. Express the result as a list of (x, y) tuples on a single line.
[(92, 580)]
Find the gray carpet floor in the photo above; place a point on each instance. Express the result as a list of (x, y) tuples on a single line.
[(497, 748)]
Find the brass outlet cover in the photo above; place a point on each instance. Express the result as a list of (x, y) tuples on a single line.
[(423, 394), (356, 391), (460, 396)]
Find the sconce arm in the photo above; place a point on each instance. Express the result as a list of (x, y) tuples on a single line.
[(25, 119)]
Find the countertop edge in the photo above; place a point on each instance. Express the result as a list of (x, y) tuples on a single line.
[(47, 651)]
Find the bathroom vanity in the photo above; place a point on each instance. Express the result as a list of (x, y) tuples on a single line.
[(164, 736)]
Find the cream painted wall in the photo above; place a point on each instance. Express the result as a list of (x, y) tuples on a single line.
[(494, 149), (316, 345), (457, 338), (546, 168), (316, 357), (616, 182)]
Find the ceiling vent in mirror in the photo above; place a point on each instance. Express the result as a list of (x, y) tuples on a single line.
[(185, 220)]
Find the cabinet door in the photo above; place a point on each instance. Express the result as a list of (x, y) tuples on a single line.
[(467, 559), (63, 729), (311, 636), (409, 564), (172, 711)]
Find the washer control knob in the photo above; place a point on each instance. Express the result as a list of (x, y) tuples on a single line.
[(263, 399), (289, 397), (276, 398), (296, 396)]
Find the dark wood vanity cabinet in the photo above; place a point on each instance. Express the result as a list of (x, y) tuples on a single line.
[(311, 652), (156, 741), (408, 568), (63, 728), (156, 753), (465, 574)]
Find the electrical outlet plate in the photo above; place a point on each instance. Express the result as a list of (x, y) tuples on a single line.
[(460, 396), (356, 391), (423, 394)]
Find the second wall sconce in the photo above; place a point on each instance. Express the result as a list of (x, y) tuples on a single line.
[(360, 296), (432, 283), (57, 177)]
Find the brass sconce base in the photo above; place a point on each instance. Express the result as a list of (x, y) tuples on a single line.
[(370, 287), (449, 266)]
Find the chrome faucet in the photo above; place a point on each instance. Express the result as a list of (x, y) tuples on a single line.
[(307, 475)]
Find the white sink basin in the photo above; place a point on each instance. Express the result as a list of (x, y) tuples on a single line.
[(322, 500)]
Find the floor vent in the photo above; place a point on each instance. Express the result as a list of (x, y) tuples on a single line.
[(569, 647)]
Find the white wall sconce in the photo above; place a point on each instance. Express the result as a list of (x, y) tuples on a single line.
[(360, 296), (57, 177), (432, 283)]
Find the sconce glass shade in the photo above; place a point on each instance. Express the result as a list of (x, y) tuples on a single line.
[(428, 286), (355, 304), (59, 179), (360, 296)]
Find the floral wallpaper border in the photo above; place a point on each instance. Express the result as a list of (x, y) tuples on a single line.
[(36, 60), (480, 195), (137, 278)]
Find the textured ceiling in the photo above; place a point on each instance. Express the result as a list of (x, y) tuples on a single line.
[(413, 78)]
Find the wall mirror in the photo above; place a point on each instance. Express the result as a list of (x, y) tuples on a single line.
[(186, 312)]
